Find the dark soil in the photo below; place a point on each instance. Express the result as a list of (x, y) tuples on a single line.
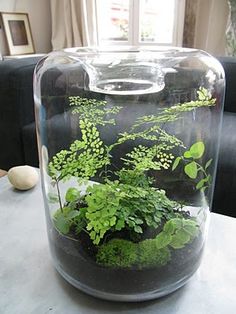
[(77, 259)]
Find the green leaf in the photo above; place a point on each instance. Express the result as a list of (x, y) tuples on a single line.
[(112, 210), (208, 163), (191, 230), (203, 189), (73, 214), (172, 225), (187, 154), (113, 221), (92, 235), (191, 170), (106, 224), (176, 163), (120, 224), (53, 198), (72, 195), (200, 184), (163, 239), (209, 179), (89, 226), (138, 229), (179, 239), (202, 93), (138, 221), (169, 227), (197, 150), (62, 224)]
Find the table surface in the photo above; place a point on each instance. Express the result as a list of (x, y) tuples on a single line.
[(29, 283)]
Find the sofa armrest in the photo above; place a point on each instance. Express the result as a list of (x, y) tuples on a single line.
[(229, 65)]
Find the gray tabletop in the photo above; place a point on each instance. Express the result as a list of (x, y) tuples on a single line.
[(29, 283)]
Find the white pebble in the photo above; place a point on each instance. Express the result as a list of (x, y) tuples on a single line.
[(23, 177)]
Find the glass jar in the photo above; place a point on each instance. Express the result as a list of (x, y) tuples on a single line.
[(128, 143)]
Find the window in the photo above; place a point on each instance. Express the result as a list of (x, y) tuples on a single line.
[(140, 22)]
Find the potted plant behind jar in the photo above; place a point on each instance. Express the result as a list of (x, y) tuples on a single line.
[(129, 197)]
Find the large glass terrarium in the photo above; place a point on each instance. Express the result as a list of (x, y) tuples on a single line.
[(128, 144)]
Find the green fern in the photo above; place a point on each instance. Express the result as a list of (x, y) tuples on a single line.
[(130, 202), (117, 205), (84, 157), (93, 110), (173, 113), (146, 158)]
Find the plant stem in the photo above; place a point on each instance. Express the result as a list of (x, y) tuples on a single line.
[(201, 169), (59, 194)]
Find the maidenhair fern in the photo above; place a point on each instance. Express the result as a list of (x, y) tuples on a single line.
[(152, 124), (129, 202), (83, 158), (144, 158), (93, 110)]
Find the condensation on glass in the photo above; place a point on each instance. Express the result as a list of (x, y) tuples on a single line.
[(128, 144)]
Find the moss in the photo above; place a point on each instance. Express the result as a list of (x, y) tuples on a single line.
[(176, 233), (117, 253), (150, 255), (123, 253)]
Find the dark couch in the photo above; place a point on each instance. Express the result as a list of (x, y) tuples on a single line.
[(225, 188), (18, 138), (17, 112)]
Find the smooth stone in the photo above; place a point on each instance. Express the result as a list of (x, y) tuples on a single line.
[(23, 177)]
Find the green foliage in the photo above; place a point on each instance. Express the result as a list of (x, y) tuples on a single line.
[(93, 110), (61, 222), (52, 197), (145, 158), (192, 168), (64, 219), (70, 216), (72, 195), (204, 95), (176, 163), (156, 252), (151, 256), (204, 100), (153, 133), (158, 156), (173, 113), (86, 156), (83, 158), (103, 204), (196, 151), (117, 253), (122, 253), (177, 232), (134, 178), (130, 203), (117, 205)]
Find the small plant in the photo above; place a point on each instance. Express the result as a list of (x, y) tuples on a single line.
[(192, 167), (127, 219)]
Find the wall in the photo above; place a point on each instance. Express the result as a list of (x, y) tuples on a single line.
[(40, 21)]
